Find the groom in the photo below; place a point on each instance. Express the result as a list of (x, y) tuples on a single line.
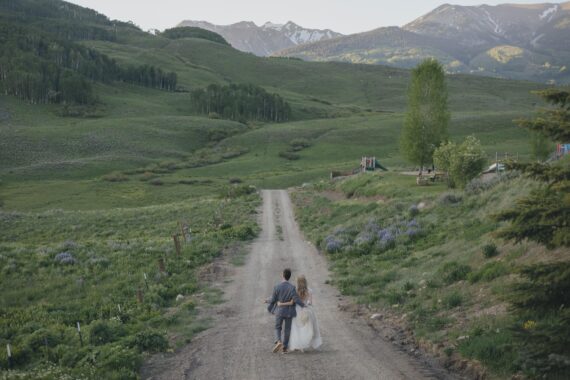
[(284, 292)]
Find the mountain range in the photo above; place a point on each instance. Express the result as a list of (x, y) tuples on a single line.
[(517, 41), (266, 39)]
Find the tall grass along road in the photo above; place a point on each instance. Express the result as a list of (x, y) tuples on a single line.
[(239, 344)]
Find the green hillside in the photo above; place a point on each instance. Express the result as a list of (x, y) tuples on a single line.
[(91, 191)]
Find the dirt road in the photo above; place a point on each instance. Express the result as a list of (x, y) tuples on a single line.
[(238, 346)]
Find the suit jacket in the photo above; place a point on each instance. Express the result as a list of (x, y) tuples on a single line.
[(284, 292)]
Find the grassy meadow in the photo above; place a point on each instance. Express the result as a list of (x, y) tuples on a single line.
[(89, 202), (428, 255)]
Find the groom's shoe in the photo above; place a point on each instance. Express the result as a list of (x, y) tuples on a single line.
[(285, 351), (278, 347)]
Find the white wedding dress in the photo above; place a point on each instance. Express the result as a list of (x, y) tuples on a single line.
[(305, 332)]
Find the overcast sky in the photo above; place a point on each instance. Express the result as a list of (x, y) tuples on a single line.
[(344, 16)]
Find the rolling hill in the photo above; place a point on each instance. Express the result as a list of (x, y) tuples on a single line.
[(101, 140)]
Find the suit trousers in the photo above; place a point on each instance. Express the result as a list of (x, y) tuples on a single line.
[(279, 320)]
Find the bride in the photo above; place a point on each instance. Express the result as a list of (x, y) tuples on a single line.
[(305, 332)]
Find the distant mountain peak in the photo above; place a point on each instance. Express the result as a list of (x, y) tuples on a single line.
[(266, 39), (270, 25)]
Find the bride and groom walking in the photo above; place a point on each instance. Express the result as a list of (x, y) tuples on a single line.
[(296, 325)]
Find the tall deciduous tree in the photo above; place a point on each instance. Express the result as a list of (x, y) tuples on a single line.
[(427, 117)]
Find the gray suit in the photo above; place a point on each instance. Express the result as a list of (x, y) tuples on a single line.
[(284, 292)]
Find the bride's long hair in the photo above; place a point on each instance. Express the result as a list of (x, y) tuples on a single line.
[(302, 289)]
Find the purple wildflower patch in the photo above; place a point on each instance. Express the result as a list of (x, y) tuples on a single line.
[(333, 244), (65, 258)]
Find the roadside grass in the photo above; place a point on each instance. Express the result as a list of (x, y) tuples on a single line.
[(430, 264), (116, 272)]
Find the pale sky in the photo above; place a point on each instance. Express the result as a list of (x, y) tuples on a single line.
[(344, 16)]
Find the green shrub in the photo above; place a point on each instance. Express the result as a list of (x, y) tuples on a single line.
[(147, 176), (289, 155), (395, 297), (156, 182), (236, 191), (299, 144), (449, 199), (119, 362), (493, 348), (541, 300), (454, 299), (490, 250), (20, 355), (489, 272), (103, 332), (242, 232), (150, 341), (452, 272), (71, 356), (436, 323), (115, 177), (463, 162), (39, 338)]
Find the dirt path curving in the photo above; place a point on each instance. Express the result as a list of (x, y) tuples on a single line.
[(238, 346)]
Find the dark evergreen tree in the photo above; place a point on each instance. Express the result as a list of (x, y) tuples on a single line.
[(241, 102), (540, 300), (33, 63), (544, 215)]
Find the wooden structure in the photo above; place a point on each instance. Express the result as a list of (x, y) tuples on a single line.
[(369, 164), (426, 179)]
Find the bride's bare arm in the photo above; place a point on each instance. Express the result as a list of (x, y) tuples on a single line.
[(289, 303)]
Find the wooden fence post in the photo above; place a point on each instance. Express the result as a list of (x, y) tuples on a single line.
[(9, 351), (182, 227), (177, 244), (161, 267), (79, 332)]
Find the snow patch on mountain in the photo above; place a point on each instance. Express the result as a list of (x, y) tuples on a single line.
[(493, 22), (299, 35), (549, 12), (535, 40), (270, 25)]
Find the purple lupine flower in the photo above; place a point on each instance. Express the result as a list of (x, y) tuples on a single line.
[(333, 244), (372, 226), (388, 239), (413, 232), (65, 258), (412, 224)]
